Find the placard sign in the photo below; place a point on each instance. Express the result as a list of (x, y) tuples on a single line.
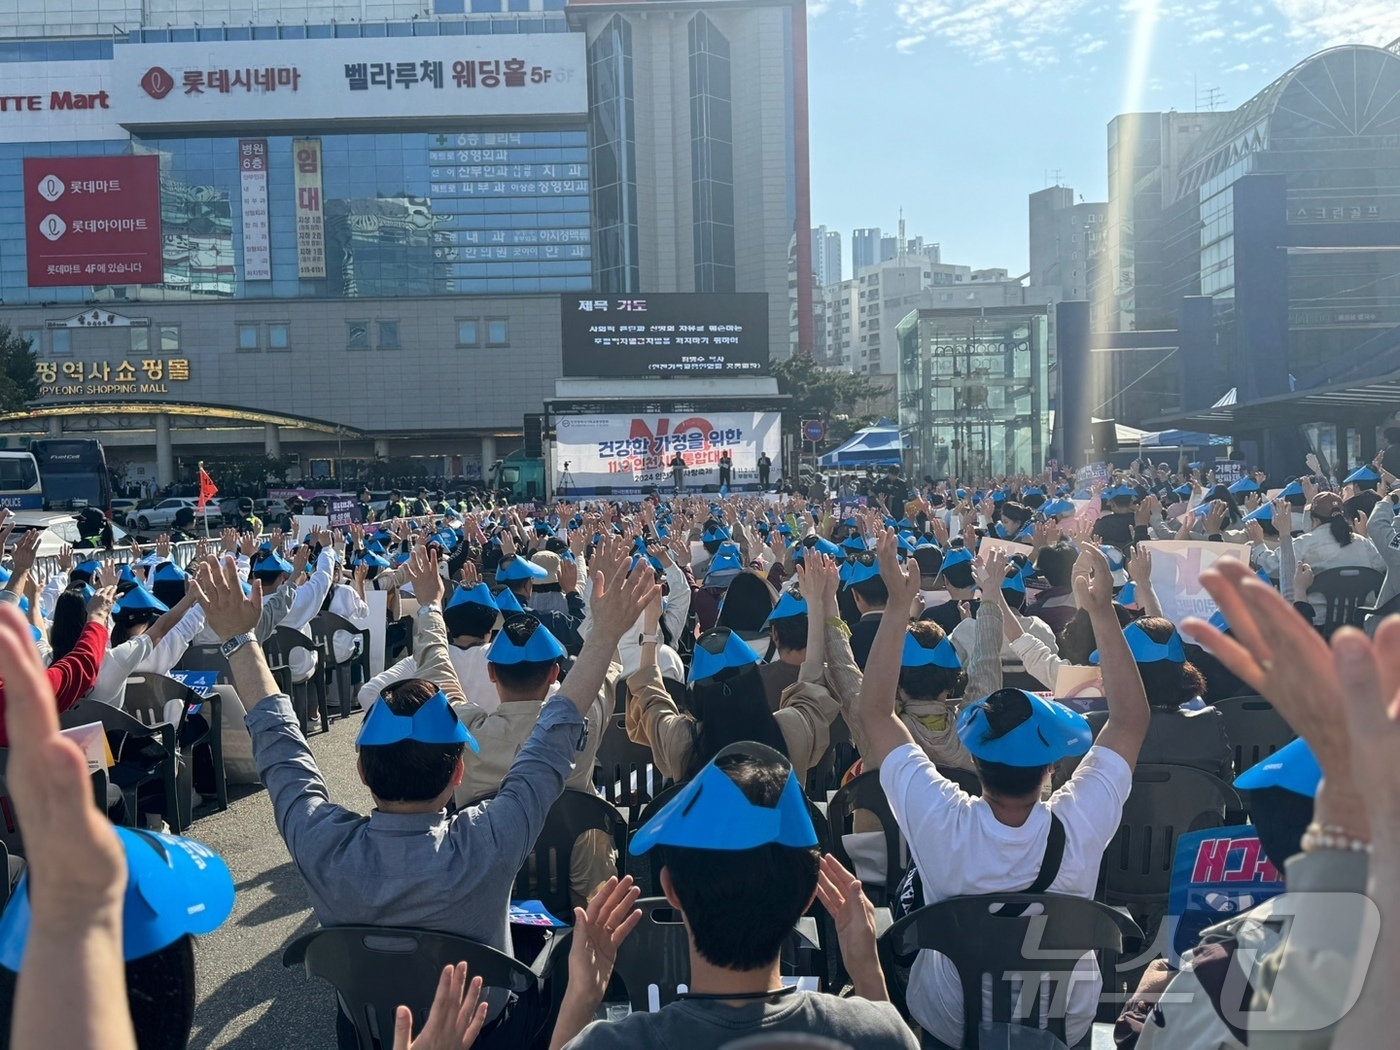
[(257, 243)]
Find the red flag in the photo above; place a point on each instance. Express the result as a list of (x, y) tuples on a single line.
[(207, 489)]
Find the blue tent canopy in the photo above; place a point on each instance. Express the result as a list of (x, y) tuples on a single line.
[(877, 445)]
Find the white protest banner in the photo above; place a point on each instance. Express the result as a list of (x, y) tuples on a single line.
[(1176, 570), (1009, 547)]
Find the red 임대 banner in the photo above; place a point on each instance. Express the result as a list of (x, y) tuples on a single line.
[(92, 220)]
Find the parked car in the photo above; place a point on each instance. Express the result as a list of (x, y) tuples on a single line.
[(161, 516), (59, 529), (122, 508), (269, 509)]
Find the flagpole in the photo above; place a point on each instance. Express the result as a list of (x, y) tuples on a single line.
[(202, 509)]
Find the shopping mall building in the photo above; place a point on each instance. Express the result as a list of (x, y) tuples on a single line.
[(344, 230)]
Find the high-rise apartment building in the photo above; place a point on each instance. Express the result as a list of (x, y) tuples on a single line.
[(865, 249), (826, 256)]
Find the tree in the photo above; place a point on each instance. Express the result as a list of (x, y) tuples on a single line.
[(819, 393), (19, 378)]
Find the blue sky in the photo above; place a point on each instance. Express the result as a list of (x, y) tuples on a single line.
[(958, 109)]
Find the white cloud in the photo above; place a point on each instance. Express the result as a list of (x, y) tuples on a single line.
[(1328, 22), (1243, 67), (1208, 35), (1252, 34), (992, 29), (908, 43), (818, 7), (1089, 46)]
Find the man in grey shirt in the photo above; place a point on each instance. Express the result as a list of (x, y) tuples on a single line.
[(410, 863)]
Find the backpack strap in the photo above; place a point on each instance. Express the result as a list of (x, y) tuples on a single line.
[(1054, 856)]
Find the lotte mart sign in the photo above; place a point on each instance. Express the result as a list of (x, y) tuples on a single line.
[(92, 221)]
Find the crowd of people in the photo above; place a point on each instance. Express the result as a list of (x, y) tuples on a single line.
[(764, 649)]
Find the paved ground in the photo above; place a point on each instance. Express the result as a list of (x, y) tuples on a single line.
[(246, 999)]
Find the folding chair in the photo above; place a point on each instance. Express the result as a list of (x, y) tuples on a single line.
[(279, 649), (1255, 730), (623, 772), (137, 767), (981, 939), (865, 793), (1344, 590), (324, 626), (151, 691), (376, 969)]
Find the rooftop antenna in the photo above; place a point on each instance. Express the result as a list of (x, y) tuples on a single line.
[(1212, 97), (1053, 177)]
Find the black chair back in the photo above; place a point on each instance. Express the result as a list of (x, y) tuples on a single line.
[(980, 939), (1255, 730), (1345, 589), (147, 694), (623, 771), (376, 969), (131, 778), (865, 793), (1165, 803), (657, 955), (545, 874)]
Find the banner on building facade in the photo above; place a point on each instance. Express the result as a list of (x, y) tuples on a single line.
[(92, 220), (257, 240), (310, 208), (624, 454)]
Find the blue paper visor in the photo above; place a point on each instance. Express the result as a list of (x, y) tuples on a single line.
[(175, 886), (522, 639), (1292, 767), (433, 723), (1146, 651), (720, 649), (916, 654), (712, 812), (1050, 733), (788, 607)]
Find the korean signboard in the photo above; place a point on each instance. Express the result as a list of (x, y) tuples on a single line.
[(316, 80), (311, 226), (92, 220), (628, 453), (140, 377), (660, 334), (57, 102), (257, 244)]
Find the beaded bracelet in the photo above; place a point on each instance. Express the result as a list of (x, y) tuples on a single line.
[(1332, 836)]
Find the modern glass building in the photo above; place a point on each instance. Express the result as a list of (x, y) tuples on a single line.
[(973, 390), (1285, 214), (344, 235)]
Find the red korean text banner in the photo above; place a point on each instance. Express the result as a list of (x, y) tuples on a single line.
[(92, 220)]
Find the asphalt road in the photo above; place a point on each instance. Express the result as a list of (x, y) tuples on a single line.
[(245, 998)]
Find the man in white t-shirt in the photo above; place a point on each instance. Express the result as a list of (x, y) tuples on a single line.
[(1000, 842)]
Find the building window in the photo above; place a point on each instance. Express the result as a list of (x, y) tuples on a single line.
[(388, 335), (169, 337), (711, 157), (467, 333), (248, 337), (497, 332), (34, 337), (61, 341), (140, 340), (278, 337), (614, 156), (357, 335)]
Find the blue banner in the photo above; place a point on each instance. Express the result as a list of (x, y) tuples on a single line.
[(202, 682), (1217, 873)]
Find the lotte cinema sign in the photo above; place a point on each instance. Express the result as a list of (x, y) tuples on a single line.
[(92, 221)]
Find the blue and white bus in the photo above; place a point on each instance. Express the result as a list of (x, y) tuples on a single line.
[(20, 486)]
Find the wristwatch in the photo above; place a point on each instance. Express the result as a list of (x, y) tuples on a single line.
[(648, 639), (238, 641)]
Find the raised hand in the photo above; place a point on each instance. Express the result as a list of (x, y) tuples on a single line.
[(619, 598), (1093, 581), (26, 550), (227, 609), (1140, 565), (99, 606), (65, 558), (456, 1017), (598, 932), (423, 573), (844, 899), (901, 581), (299, 559), (163, 546)]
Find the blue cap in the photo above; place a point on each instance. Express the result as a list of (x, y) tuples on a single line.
[(433, 723), (856, 572), (373, 560), (1245, 484), (1146, 651), (138, 599), (125, 576), (726, 559), (1366, 473), (517, 568), (174, 887), (787, 608), (711, 812), (916, 654), (1293, 488), (524, 640), (478, 595), (270, 561), (1014, 583), (720, 649), (822, 546), (92, 568), (1055, 507), (1034, 490), (1292, 767), (1264, 512), (1218, 621), (507, 602), (1051, 733), (855, 542), (1183, 491), (169, 572), (1127, 594), (715, 534), (956, 556)]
